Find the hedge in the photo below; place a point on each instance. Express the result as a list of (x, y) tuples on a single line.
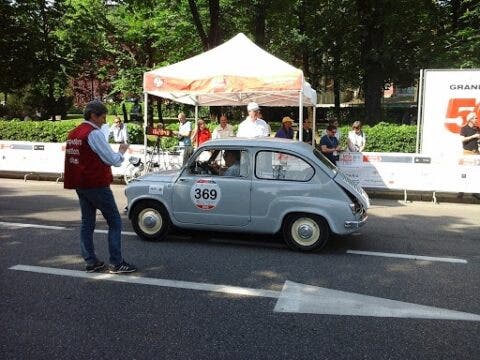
[(382, 137)]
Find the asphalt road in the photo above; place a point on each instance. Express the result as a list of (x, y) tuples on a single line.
[(45, 316)]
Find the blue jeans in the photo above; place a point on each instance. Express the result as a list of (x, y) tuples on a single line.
[(101, 199)]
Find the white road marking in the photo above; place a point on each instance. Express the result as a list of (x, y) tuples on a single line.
[(406, 256), (307, 299), (294, 297), (37, 226), (129, 233), (371, 253), (226, 289), (10, 224)]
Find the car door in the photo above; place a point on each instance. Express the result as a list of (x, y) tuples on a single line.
[(201, 196)]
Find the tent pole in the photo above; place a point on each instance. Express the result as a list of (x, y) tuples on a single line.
[(300, 117), (196, 122), (196, 116), (314, 127), (145, 123)]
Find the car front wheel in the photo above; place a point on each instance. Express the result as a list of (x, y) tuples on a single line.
[(306, 232), (150, 220)]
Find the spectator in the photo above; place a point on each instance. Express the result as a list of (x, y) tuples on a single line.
[(119, 131), (470, 135), (224, 129), (356, 140), (329, 144), (88, 161), (307, 131), (184, 131), (201, 133), (334, 122), (286, 131), (253, 126), (136, 113)]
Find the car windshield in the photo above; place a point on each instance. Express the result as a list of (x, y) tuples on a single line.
[(325, 161)]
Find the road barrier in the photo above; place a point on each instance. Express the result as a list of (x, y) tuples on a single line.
[(391, 171)]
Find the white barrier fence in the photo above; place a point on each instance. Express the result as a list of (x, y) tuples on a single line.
[(395, 171)]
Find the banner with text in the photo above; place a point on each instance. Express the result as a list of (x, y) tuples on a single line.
[(448, 96)]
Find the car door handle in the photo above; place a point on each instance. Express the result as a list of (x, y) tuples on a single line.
[(182, 179)]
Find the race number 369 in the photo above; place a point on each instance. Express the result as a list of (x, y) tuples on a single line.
[(205, 194), (460, 108)]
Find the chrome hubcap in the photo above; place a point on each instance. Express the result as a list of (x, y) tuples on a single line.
[(150, 221), (305, 231)]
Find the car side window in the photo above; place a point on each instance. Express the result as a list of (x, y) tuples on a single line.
[(220, 162), (281, 166)]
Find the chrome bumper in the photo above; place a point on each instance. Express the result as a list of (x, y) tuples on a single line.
[(356, 224)]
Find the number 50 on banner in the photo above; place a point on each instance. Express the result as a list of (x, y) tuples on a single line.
[(460, 107)]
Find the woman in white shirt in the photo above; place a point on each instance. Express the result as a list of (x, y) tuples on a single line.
[(356, 138)]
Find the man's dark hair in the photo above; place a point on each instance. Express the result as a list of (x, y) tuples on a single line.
[(94, 107), (331, 127)]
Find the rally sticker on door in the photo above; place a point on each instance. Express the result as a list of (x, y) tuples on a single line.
[(205, 194)]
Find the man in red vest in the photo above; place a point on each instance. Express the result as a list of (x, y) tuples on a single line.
[(88, 161)]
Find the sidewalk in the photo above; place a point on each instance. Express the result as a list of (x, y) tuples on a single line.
[(440, 197)]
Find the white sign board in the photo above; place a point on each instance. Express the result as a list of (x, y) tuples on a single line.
[(448, 96)]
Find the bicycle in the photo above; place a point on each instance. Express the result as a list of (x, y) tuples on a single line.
[(158, 159)]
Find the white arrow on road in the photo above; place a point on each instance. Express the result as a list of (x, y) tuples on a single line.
[(294, 297)]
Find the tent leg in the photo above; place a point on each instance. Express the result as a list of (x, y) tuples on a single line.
[(145, 123), (314, 127), (300, 117)]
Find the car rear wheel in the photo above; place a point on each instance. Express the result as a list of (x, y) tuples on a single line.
[(306, 232), (150, 220)]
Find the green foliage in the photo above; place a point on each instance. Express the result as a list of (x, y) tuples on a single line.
[(385, 137), (382, 137), (52, 131), (41, 131)]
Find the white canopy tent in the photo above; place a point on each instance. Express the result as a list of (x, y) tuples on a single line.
[(232, 74)]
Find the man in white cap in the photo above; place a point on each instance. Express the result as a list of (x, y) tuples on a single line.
[(253, 126)]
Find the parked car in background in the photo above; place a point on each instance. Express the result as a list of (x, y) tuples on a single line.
[(261, 186)]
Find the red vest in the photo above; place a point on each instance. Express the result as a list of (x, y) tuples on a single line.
[(83, 167)]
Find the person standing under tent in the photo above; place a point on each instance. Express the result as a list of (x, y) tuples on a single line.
[(224, 129), (201, 133), (286, 131), (184, 131), (253, 126), (307, 131)]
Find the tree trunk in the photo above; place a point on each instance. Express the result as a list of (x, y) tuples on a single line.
[(213, 38), (214, 33), (198, 23), (372, 14), (336, 94), (260, 10)]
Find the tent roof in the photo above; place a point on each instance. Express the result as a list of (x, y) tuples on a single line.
[(234, 73)]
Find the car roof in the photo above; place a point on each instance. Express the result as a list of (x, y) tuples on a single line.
[(267, 142)]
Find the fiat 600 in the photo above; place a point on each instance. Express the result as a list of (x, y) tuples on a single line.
[(263, 186)]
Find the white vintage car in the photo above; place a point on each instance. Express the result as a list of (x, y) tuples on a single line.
[(250, 185)]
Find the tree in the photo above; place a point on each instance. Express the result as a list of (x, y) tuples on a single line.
[(16, 61)]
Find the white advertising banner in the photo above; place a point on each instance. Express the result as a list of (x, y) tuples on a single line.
[(31, 157), (396, 171), (448, 96)]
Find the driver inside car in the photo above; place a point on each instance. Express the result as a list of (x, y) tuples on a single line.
[(232, 163), (231, 159)]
